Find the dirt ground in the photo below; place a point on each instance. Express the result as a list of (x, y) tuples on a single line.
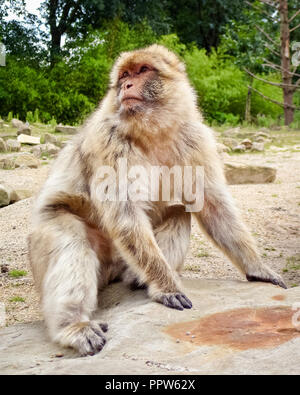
[(271, 211)]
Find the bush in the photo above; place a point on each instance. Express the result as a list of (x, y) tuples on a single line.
[(72, 88)]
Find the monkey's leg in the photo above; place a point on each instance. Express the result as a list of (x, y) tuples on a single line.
[(221, 221), (129, 226), (69, 286), (173, 237)]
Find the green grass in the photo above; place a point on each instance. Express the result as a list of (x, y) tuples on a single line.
[(274, 195), (292, 263), (17, 273), (202, 254), (16, 299)]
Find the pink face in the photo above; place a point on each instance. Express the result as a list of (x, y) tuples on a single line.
[(133, 82)]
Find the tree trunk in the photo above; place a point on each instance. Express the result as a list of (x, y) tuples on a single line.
[(286, 61), (248, 102), (55, 46)]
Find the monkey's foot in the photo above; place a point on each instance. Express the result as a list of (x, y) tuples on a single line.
[(266, 275), (86, 337), (175, 300)]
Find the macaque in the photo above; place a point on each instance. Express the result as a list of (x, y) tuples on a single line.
[(81, 242)]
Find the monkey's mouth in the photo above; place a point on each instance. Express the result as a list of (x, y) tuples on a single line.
[(131, 98)]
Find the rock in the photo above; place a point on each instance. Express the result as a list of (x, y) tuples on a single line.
[(3, 147), (262, 134), (20, 194), (247, 174), (247, 143), (5, 195), (8, 134), (232, 323), (66, 129), (39, 150), (27, 160), (51, 149), (239, 148), (50, 138), (8, 195), (258, 147), (232, 132), (7, 163), (222, 148), (25, 129), (13, 145), (25, 139), (230, 142), (15, 123), (1, 124), (260, 139), (4, 268)]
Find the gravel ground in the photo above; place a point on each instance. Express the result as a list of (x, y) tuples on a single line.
[(271, 211)]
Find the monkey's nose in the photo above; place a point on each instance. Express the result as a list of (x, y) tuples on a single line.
[(129, 85)]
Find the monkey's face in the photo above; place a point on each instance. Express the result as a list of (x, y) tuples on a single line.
[(139, 88)]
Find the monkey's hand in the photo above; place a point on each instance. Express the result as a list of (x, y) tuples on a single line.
[(86, 337), (265, 274), (176, 300)]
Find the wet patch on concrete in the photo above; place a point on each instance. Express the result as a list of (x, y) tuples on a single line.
[(240, 329)]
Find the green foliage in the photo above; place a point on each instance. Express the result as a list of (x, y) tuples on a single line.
[(29, 117), (53, 122), (71, 89), (17, 273), (219, 84), (202, 21), (17, 299)]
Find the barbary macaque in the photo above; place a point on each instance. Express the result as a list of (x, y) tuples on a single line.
[(81, 242)]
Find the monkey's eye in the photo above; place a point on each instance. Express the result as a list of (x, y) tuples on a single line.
[(143, 69), (124, 75)]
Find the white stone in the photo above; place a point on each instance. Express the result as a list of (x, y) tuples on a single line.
[(137, 341), (25, 139)]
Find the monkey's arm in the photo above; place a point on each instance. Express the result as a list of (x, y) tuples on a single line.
[(221, 221), (129, 227)]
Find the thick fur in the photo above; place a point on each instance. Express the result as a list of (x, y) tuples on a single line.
[(79, 244)]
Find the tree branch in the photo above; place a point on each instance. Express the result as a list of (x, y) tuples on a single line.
[(268, 3), (284, 105), (267, 35), (294, 28), (281, 85), (279, 68), (272, 50), (294, 16), (63, 20), (263, 11)]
